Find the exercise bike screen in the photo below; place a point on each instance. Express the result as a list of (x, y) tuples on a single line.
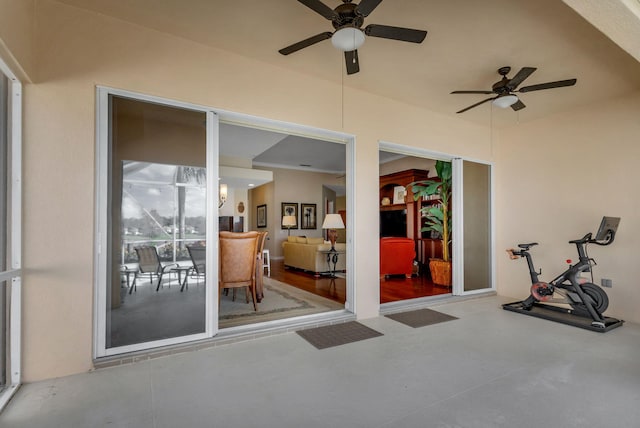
[(607, 224)]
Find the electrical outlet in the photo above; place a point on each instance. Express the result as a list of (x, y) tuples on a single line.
[(606, 283)]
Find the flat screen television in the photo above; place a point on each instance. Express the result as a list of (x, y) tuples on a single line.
[(393, 223), (608, 224)]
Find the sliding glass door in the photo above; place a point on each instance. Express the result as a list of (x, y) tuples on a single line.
[(476, 226), (4, 289), (161, 204), (156, 172), (10, 233)]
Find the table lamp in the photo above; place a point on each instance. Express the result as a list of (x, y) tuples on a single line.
[(332, 222), (289, 221)]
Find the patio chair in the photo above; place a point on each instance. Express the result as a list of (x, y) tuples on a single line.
[(149, 264), (198, 258), (238, 256)]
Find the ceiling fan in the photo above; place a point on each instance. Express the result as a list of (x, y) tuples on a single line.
[(347, 19), (505, 88)]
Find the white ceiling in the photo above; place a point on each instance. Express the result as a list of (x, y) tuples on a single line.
[(467, 42)]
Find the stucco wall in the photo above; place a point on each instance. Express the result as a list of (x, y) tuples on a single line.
[(555, 179)]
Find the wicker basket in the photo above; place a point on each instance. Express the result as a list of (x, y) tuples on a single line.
[(440, 272)]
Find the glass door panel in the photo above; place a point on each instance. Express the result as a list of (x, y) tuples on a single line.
[(477, 225), (158, 208), (4, 127), (10, 233)]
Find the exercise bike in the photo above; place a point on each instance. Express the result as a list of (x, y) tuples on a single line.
[(587, 301)]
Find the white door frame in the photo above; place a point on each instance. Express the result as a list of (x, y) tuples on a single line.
[(13, 276), (457, 258), (214, 116)]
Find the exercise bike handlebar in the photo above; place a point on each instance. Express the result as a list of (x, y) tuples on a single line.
[(588, 239)]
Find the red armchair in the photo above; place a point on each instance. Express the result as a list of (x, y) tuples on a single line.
[(396, 256)]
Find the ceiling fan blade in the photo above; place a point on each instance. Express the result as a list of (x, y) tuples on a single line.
[(321, 8), (518, 105), (519, 78), (395, 33), (366, 6), (351, 61), (476, 104), (305, 43), (472, 92), (548, 85)]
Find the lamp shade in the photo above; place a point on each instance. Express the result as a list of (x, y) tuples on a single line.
[(333, 221), (348, 39), (505, 101), (289, 221)]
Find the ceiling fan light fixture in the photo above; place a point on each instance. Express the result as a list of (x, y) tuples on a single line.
[(505, 101), (348, 39)]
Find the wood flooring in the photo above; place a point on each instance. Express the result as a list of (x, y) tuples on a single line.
[(393, 289)]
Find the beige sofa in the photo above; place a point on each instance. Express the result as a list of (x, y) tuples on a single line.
[(306, 254)]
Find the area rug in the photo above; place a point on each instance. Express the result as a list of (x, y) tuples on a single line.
[(337, 334), (280, 301), (421, 317), (147, 315)]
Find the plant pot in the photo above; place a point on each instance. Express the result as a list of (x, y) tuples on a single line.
[(440, 272)]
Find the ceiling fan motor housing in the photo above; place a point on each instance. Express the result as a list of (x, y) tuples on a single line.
[(348, 16), (500, 87)]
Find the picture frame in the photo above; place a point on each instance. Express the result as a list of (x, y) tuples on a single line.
[(399, 193), (308, 216), (261, 215), (289, 209)]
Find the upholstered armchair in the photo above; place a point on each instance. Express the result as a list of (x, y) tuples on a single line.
[(396, 256)]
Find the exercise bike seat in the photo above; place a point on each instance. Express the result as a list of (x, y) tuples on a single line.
[(527, 246)]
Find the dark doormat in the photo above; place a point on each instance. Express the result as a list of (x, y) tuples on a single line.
[(338, 334), (420, 317)]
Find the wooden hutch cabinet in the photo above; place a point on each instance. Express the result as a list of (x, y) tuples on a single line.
[(406, 211)]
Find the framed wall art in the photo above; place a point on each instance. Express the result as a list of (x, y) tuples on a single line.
[(261, 215), (308, 216), (399, 193), (289, 209)]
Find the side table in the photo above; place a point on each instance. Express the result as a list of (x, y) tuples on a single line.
[(332, 258), (128, 272), (180, 270)]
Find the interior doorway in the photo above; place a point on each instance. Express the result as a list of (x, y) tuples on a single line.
[(406, 246)]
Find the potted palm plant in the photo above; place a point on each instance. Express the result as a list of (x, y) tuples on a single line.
[(437, 218)]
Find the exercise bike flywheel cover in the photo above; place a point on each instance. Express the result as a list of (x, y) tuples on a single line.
[(542, 291)]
